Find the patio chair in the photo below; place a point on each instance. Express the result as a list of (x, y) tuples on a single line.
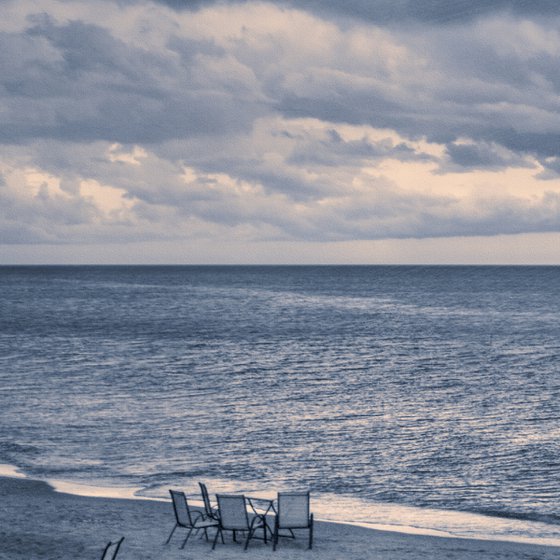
[(293, 513), (187, 519), (112, 549), (209, 511), (234, 517)]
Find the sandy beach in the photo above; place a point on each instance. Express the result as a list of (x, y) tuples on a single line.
[(39, 523)]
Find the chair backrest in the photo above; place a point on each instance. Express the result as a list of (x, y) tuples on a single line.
[(206, 499), (181, 508), (293, 510), (233, 512), (112, 549)]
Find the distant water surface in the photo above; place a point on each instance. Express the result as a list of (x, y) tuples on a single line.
[(382, 389)]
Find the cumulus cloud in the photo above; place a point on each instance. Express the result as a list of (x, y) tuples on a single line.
[(271, 121), (78, 82)]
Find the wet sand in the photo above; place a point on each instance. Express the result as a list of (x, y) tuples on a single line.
[(38, 523)]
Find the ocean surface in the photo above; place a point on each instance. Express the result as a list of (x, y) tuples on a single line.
[(417, 398)]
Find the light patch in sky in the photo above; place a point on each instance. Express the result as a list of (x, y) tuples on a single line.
[(133, 157), (40, 184), (110, 200)]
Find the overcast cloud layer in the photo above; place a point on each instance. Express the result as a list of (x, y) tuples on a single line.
[(280, 122)]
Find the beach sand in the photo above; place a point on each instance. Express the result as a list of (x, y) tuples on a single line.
[(39, 523)]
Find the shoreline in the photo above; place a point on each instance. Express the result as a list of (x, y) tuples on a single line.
[(408, 520), (39, 522)]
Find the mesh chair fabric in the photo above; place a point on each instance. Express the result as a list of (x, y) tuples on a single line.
[(293, 510), (233, 512), (206, 499), (181, 507)]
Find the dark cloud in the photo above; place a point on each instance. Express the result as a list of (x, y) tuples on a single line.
[(399, 11), (544, 144), (181, 4), (473, 156), (430, 11), (332, 150), (481, 156), (80, 82), (350, 107), (76, 81), (551, 168)]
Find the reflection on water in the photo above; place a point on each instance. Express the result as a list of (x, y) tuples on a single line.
[(434, 388)]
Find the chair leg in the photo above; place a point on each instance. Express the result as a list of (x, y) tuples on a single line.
[(105, 550), (251, 531), (172, 531), (218, 532), (118, 547), (310, 531), (275, 536), (270, 532), (186, 538)]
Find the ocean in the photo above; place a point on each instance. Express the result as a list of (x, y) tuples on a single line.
[(416, 398)]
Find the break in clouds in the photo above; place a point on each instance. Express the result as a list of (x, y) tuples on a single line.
[(312, 120)]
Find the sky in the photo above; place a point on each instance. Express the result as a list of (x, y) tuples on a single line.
[(289, 132)]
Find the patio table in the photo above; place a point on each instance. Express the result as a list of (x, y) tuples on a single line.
[(262, 506)]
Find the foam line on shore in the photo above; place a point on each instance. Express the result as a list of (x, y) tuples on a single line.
[(92, 491), (69, 527), (398, 519), (9, 471)]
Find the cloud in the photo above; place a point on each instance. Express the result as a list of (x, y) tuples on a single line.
[(469, 156), (388, 11), (84, 81), (78, 82), (265, 121), (432, 11), (131, 193)]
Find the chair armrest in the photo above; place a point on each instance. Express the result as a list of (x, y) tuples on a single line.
[(257, 521), (196, 515)]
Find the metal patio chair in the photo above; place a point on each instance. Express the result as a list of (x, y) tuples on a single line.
[(187, 519), (112, 549), (211, 512), (234, 517), (293, 513)]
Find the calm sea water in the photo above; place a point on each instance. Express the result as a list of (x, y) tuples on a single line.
[(398, 395)]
